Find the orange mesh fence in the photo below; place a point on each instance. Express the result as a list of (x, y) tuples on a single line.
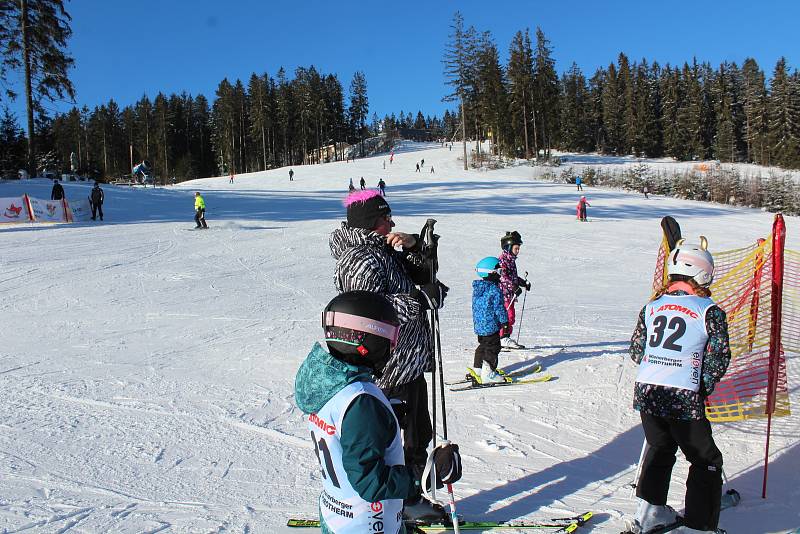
[(743, 288)]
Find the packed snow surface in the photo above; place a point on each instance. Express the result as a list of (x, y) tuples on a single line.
[(146, 371)]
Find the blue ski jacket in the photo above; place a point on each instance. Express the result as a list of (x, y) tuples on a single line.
[(488, 311)]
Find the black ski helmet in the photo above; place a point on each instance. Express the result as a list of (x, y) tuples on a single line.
[(510, 239), (361, 328)]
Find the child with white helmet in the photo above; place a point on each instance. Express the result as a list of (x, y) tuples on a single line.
[(681, 346)]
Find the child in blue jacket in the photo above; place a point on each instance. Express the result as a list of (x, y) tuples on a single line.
[(488, 316)]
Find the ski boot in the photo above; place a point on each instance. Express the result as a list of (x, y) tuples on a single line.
[(652, 517), (490, 376)]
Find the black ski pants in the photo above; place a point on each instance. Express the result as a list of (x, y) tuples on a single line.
[(414, 419), (200, 218), (488, 351), (97, 208), (704, 484)]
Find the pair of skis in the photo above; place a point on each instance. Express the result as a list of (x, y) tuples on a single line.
[(555, 525), (472, 380)]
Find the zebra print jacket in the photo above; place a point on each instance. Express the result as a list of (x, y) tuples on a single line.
[(365, 262)]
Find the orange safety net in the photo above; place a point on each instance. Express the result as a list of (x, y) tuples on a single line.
[(743, 288)]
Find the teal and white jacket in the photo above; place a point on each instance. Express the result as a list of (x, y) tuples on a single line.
[(357, 440)]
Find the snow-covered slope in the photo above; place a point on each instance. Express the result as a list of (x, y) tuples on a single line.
[(146, 371)]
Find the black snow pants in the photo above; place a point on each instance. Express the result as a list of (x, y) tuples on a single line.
[(97, 208), (704, 484), (414, 419), (487, 351), (200, 218)]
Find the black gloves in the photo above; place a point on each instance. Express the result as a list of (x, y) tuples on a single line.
[(518, 291), (431, 296), (525, 284), (448, 464), (504, 327)]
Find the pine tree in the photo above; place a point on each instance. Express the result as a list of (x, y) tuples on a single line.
[(597, 129), (626, 94), (520, 81), (754, 96), (12, 145), (672, 91), (493, 100), (574, 130), (359, 106), (725, 141), (784, 117), (545, 88), (33, 41), (612, 112), (458, 71)]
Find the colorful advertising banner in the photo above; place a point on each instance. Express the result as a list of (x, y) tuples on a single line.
[(47, 210), (80, 210), (14, 210)]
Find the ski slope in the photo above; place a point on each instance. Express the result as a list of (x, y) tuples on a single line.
[(146, 371)]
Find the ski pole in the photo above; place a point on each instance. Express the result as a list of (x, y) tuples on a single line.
[(638, 468), (522, 313)]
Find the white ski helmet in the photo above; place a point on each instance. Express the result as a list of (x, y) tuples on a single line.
[(693, 261)]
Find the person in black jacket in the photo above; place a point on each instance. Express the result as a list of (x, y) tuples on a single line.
[(57, 193), (96, 198), (371, 257)]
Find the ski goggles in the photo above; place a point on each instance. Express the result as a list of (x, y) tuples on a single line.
[(483, 270), (362, 324)]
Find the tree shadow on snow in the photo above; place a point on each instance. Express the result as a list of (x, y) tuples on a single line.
[(552, 485)]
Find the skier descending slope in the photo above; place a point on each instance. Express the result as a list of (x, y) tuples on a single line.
[(371, 257), (489, 317), (355, 432), (681, 345), (511, 284)]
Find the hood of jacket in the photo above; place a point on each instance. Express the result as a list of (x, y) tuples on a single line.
[(480, 287), (321, 376), (345, 238)]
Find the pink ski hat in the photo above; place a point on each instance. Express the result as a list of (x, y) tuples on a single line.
[(364, 208)]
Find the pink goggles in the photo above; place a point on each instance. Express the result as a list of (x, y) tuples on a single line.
[(362, 324)]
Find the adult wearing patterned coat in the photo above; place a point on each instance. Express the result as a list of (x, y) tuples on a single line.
[(370, 257)]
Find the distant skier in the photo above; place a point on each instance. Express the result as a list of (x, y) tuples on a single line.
[(291, 175), (96, 198), (489, 318), (363, 183), (681, 346), (579, 182), (57, 193), (422, 163), (391, 158), (511, 284), (417, 168), (382, 187), (432, 171), (581, 209), (645, 190), (231, 180), (356, 435), (351, 187), (199, 211)]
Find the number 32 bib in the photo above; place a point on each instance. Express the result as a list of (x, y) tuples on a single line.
[(676, 341)]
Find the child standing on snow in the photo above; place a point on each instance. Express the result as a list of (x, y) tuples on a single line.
[(581, 209), (489, 317), (681, 346), (511, 284), (356, 436)]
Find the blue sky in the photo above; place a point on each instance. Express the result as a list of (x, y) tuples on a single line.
[(124, 49)]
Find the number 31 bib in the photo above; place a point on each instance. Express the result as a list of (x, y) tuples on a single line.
[(676, 341)]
